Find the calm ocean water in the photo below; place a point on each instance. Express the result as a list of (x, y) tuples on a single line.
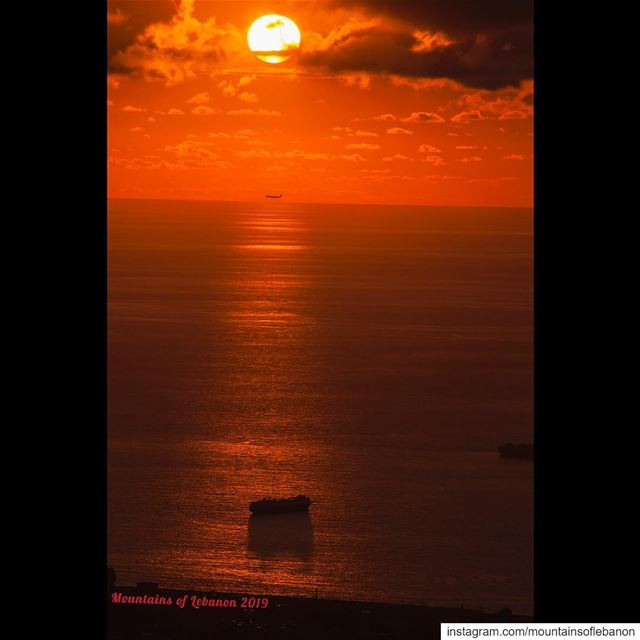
[(372, 357)]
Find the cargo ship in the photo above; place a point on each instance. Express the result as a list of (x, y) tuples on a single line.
[(521, 451), (280, 505)]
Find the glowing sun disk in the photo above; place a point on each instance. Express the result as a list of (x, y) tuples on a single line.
[(273, 38)]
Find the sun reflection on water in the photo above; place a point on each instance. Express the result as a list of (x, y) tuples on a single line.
[(271, 328)]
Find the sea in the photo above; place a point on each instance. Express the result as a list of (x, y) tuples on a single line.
[(371, 357)]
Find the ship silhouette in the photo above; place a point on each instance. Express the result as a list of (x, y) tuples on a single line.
[(268, 506), (272, 196)]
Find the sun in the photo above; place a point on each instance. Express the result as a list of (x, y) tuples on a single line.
[(273, 38)]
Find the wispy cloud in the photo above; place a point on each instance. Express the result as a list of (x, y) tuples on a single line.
[(423, 116), (511, 103), (363, 145), (468, 116), (359, 80), (426, 41), (428, 148), (253, 112), (415, 116), (436, 161), (200, 98), (245, 96), (339, 132), (203, 110)]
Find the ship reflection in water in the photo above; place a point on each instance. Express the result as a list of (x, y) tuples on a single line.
[(285, 534)]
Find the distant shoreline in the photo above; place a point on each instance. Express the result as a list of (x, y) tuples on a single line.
[(189, 615)]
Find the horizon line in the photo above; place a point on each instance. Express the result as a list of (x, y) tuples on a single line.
[(382, 204)]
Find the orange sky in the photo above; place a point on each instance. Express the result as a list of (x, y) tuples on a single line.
[(386, 102)]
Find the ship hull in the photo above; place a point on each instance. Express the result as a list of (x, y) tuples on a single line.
[(269, 507)]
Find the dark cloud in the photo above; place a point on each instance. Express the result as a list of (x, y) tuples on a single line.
[(134, 17), (483, 44), (456, 17)]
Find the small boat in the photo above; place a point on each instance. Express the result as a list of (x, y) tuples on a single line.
[(270, 196), (520, 451), (280, 505)]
